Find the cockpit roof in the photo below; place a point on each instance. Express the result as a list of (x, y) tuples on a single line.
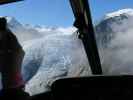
[(8, 1)]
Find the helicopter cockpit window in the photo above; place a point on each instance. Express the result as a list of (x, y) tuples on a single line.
[(113, 22), (45, 30)]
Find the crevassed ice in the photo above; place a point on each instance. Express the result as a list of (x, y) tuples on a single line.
[(52, 57)]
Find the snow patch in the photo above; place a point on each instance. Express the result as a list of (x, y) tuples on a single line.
[(128, 12)]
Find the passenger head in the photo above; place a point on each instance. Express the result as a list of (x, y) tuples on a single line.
[(3, 23)]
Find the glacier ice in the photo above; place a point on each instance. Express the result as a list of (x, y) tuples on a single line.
[(53, 57)]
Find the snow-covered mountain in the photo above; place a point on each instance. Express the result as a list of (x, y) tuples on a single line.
[(112, 23), (28, 32), (22, 32), (115, 37)]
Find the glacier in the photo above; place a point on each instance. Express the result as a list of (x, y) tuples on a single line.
[(53, 57)]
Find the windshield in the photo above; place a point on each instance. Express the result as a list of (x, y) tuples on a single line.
[(113, 22), (45, 30)]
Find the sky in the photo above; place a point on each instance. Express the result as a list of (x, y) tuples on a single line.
[(57, 12), (40, 12)]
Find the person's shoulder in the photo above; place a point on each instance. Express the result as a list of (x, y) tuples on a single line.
[(8, 31), (10, 34)]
